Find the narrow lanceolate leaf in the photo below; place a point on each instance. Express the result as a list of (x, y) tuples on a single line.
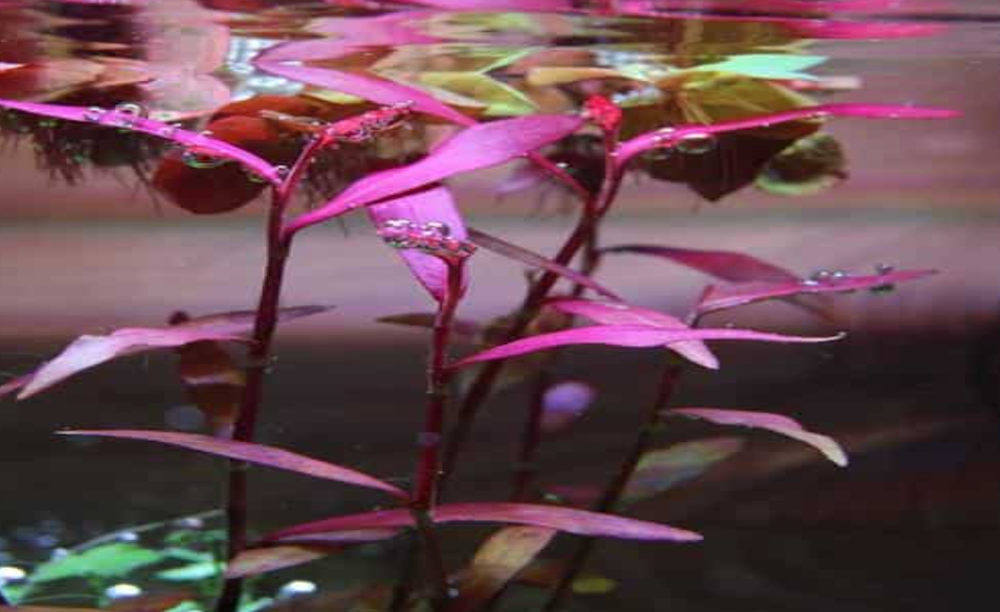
[(772, 422), (480, 146), (530, 258), (636, 336), (255, 561), (88, 351), (434, 205), (726, 265), (668, 137), (618, 313), (662, 469), (252, 453), (721, 297), (374, 89), (580, 522), (497, 561), (194, 142), (461, 328)]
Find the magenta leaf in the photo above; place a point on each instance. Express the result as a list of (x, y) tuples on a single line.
[(772, 422), (635, 336), (530, 258), (88, 351), (538, 6), (480, 146), (580, 522), (726, 265), (252, 453), (618, 313), (670, 136), (193, 142), (563, 403), (722, 297), (434, 205), (374, 89)]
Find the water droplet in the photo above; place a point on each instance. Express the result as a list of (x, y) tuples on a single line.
[(436, 227), (132, 109), (882, 269), (10, 573), (296, 588), (190, 522), (127, 536), (201, 161), (696, 143), (94, 113), (820, 276), (58, 553), (282, 171), (122, 590)]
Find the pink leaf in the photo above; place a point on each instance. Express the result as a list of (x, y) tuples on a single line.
[(88, 351), (480, 146), (618, 313), (726, 265), (539, 6), (374, 89), (252, 453), (636, 336), (569, 520), (718, 298), (669, 136), (195, 142), (772, 422), (530, 258), (434, 205)]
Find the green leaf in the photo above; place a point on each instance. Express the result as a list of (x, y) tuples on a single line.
[(106, 561), (766, 66), (195, 571), (662, 469), (500, 99)]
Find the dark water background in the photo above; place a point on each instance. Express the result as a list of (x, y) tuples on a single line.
[(912, 393)]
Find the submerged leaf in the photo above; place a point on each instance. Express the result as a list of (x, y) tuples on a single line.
[(726, 265), (104, 561), (497, 561), (255, 561), (619, 313), (772, 422), (665, 468), (636, 336), (580, 522), (480, 146), (252, 453)]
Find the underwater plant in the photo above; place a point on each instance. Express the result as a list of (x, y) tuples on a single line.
[(669, 122)]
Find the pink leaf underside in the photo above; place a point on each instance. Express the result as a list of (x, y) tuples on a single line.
[(88, 351), (670, 136), (726, 265), (635, 336), (580, 522), (530, 258), (776, 423), (617, 313), (432, 205), (252, 453), (255, 561), (480, 146), (193, 141), (722, 297)]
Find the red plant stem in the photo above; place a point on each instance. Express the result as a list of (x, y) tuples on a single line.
[(425, 487), (526, 467), (613, 492), (593, 211)]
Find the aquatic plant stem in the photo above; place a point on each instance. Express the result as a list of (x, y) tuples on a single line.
[(526, 466), (594, 210), (613, 492), (258, 357), (425, 487)]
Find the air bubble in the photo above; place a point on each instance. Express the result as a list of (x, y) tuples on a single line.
[(122, 590), (94, 113), (428, 438), (882, 269), (296, 588), (167, 131), (127, 536), (697, 143), (132, 109), (282, 171), (10, 573)]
